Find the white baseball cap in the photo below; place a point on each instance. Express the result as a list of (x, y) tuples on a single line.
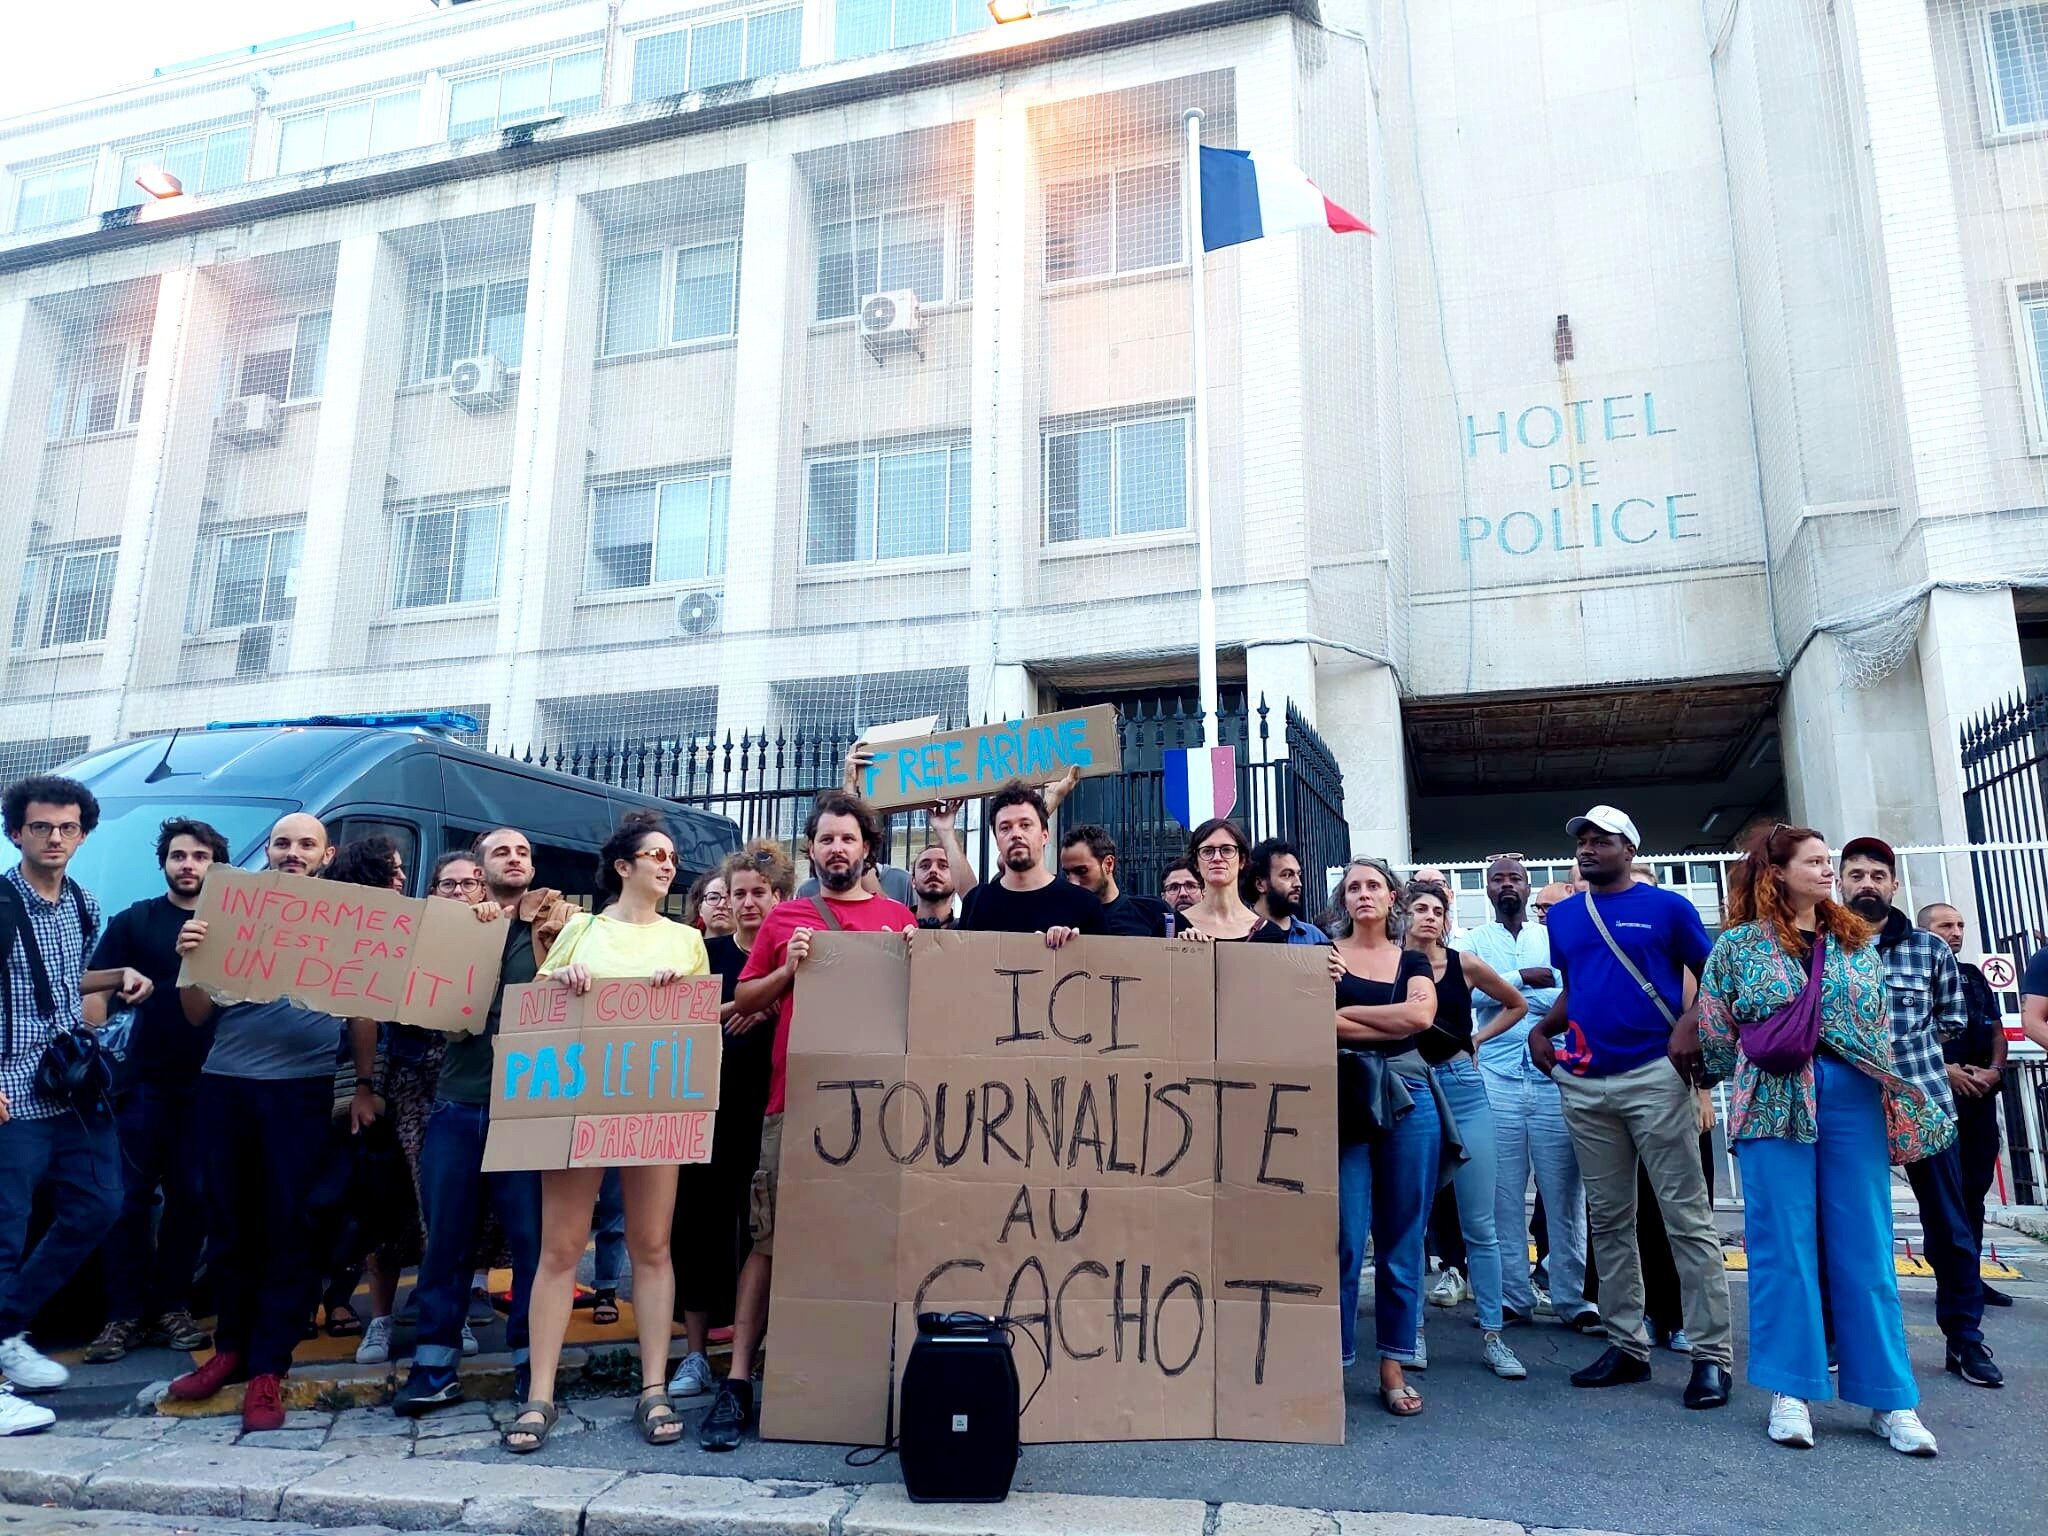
[(1607, 819)]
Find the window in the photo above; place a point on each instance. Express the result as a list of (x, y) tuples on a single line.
[(873, 26), (525, 93), (56, 196), (447, 555), (648, 534), (717, 53), (100, 389), (204, 162), (1127, 477), (80, 595), (2016, 57), (255, 577), (470, 322), (351, 131), (2030, 309), (664, 298), (901, 249), (1128, 221), (295, 370), (887, 506)]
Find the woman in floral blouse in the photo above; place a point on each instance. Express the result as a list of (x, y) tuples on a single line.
[(1816, 1145)]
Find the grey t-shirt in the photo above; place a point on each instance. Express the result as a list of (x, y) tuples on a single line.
[(895, 885), (274, 1041)]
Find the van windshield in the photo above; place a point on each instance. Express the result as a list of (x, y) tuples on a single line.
[(118, 862)]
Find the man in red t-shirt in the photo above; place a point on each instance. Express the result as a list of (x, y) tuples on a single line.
[(842, 832)]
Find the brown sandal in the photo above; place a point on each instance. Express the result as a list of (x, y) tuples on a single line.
[(1403, 1402), (656, 1417), (536, 1437)]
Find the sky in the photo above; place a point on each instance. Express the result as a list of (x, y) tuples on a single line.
[(65, 50)]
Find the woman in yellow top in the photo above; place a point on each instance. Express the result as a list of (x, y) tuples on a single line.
[(626, 938)]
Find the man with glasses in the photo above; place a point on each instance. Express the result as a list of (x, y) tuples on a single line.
[(67, 1149), (1180, 887)]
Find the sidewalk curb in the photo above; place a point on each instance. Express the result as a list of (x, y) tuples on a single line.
[(326, 1490), (484, 1378)]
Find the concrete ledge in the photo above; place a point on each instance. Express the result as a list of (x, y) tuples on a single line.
[(658, 1503), (51, 1467), (234, 1480), (447, 1495), (884, 1509)]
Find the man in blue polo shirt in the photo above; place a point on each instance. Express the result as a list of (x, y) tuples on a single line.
[(1628, 1047)]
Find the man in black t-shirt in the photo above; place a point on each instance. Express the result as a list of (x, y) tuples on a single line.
[(1975, 1062), (149, 1280), (1088, 860), (931, 881), (1025, 898)]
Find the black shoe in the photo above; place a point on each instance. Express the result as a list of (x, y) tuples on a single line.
[(731, 1412), (426, 1388), (1972, 1361), (1587, 1321), (1708, 1387), (1994, 1297), (1515, 1317), (1614, 1368)]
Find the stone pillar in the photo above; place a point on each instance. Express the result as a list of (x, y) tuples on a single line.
[(1856, 759), (346, 529), (1280, 675), (1358, 707)]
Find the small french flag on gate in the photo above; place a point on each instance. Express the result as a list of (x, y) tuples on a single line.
[(1245, 199), (1200, 782)]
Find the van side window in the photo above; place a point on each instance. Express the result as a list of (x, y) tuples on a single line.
[(403, 833)]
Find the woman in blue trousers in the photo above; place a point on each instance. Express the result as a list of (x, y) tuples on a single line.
[(1816, 1144)]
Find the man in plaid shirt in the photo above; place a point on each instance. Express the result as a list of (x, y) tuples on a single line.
[(1928, 1007)]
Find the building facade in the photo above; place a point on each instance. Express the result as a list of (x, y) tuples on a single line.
[(634, 370)]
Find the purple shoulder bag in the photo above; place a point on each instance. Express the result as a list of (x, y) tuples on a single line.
[(1785, 1042)]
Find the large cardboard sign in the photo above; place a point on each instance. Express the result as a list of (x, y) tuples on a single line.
[(625, 1073), (960, 765), (348, 950), (1127, 1146)]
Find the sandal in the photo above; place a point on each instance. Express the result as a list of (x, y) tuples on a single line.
[(656, 1418), (520, 1429), (1403, 1402), (604, 1308), (342, 1322)]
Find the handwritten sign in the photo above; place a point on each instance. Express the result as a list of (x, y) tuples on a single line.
[(626, 1073), (348, 950), (964, 764), (1127, 1146)]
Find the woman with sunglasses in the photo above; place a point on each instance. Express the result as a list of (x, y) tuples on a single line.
[(627, 938), (1218, 852)]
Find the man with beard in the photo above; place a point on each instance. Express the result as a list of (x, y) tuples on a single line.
[(843, 834), (931, 881), (149, 1278), (1528, 1114), (1622, 952), (1179, 886), (1271, 886), (1088, 860), (1927, 1009), (1024, 897)]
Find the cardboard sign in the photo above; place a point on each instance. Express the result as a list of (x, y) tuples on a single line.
[(626, 1073), (348, 950), (1127, 1146), (961, 765)]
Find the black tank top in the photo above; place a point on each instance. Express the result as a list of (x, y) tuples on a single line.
[(1451, 1035)]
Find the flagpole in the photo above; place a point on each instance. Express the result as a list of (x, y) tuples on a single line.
[(1198, 347)]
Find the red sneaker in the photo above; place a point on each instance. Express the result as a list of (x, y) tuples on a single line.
[(223, 1370), (263, 1403)]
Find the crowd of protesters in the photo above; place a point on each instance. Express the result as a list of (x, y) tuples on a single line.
[(1571, 1040)]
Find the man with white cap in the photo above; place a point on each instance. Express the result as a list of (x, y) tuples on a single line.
[(1631, 1058)]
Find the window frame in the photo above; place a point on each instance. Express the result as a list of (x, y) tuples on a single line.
[(373, 101), (87, 164), (203, 612), (1996, 129), (99, 599), (665, 300), (127, 393), (297, 364), (499, 71), (976, 11), (959, 482), (748, 16), (157, 151), (719, 516), (952, 210), (457, 512), (2024, 299), (426, 343), (1111, 425), (1115, 177)]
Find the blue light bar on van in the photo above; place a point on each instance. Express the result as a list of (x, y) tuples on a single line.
[(450, 721)]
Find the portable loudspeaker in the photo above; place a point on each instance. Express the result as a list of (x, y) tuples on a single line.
[(957, 1439)]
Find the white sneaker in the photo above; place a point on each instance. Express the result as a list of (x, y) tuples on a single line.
[(375, 1348), (1902, 1427), (693, 1379), (27, 1368), (1501, 1360), (1544, 1307), (468, 1342), (1447, 1288), (19, 1416), (1790, 1423)]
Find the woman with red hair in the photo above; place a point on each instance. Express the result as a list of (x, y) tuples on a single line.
[(1793, 1003)]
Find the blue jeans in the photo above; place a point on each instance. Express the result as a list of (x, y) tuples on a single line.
[(609, 1265), (454, 1187), (1384, 1187), (1826, 1206), (1473, 1184), (161, 1134), (78, 1156), (1529, 1129)]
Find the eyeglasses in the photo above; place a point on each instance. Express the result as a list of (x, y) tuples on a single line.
[(452, 884), (64, 829), (1218, 852), (658, 855), (714, 899), (1495, 858)]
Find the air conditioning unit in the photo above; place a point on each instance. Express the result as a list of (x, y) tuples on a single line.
[(697, 613), (891, 320), (478, 384), (250, 421), (253, 650)]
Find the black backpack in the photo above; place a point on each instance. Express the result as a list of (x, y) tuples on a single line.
[(73, 1069)]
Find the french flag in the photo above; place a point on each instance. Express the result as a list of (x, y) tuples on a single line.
[(1200, 782), (1245, 199)]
